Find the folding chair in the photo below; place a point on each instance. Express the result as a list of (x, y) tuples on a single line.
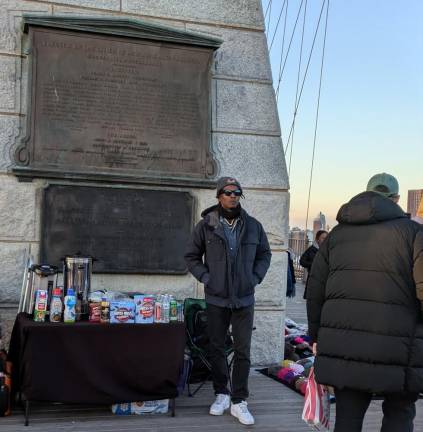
[(198, 342)]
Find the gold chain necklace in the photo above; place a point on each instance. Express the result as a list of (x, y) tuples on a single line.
[(230, 223)]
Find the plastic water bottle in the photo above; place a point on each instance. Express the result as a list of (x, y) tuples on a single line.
[(70, 303), (166, 309), (158, 310)]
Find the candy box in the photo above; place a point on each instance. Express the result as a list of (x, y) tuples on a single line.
[(144, 309), (122, 311)]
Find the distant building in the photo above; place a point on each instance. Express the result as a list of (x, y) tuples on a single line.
[(299, 241), (319, 223), (415, 197)]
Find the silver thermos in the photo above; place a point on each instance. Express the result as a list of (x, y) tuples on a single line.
[(77, 275)]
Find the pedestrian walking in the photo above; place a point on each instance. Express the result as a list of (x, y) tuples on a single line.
[(364, 306)]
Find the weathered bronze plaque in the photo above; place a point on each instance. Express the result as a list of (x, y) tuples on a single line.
[(126, 230), (112, 106)]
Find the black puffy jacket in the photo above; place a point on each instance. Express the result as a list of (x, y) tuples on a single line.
[(251, 263), (364, 299)]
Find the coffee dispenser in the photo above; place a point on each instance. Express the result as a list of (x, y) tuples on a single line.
[(77, 275), (40, 277)]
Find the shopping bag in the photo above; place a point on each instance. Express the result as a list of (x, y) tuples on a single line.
[(316, 410)]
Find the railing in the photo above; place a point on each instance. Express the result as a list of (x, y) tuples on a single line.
[(297, 247)]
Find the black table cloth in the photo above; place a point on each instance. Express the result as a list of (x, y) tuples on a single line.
[(96, 363)]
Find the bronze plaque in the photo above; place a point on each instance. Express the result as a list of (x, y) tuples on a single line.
[(106, 105), (126, 230)]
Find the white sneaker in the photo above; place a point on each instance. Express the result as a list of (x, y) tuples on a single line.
[(240, 411), (221, 404)]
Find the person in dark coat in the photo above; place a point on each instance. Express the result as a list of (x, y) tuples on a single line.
[(364, 307), (307, 257), (291, 280), (230, 254)]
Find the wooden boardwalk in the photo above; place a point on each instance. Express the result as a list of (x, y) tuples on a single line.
[(276, 408)]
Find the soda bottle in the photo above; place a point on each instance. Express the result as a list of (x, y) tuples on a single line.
[(70, 303), (173, 311)]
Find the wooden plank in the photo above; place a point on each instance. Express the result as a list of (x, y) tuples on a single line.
[(276, 409)]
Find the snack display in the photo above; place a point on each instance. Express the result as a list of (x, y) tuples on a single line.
[(122, 311), (94, 312), (144, 309)]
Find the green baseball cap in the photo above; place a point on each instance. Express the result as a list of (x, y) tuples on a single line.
[(384, 184)]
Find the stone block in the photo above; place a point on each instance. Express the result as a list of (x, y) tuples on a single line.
[(272, 290), (267, 343), (64, 10), (18, 213), (243, 53), (271, 209), (10, 22), (245, 13), (9, 83), (93, 4), (204, 198), (7, 319), (245, 107), (9, 131), (12, 258), (256, 161), (179, 286)]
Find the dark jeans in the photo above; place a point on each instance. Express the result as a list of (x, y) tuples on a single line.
[(218, 321), (399, 411)]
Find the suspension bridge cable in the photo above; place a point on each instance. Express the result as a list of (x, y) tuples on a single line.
[(277, 25), (296, 91), (289, 48), (306, 71), (317, 114), (283, 43), (267, 10), (280, 62), (268, 21)]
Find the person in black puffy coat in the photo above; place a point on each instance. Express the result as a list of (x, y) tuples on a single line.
[(364, 307)]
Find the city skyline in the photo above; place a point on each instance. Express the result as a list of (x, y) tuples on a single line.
[(371, 102)]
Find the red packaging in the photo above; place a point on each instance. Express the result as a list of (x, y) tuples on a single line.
[(95, 312)]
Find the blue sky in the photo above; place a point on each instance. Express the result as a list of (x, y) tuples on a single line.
[(371, 106)]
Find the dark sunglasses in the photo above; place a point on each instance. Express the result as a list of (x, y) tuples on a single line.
[(236, 192)]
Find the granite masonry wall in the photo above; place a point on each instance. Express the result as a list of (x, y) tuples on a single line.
[(245, 135)]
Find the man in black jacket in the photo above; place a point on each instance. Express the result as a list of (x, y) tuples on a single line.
[(364, 306), (229, 253)]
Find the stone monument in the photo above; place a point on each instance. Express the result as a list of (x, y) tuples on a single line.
[(90, 52)]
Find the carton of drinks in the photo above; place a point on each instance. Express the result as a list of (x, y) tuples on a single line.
[(144, 309), (40, 308), (122, 408), (146, 407), (122, 311), (150, 407)]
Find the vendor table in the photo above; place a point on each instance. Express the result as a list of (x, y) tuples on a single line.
[(95, 363)]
